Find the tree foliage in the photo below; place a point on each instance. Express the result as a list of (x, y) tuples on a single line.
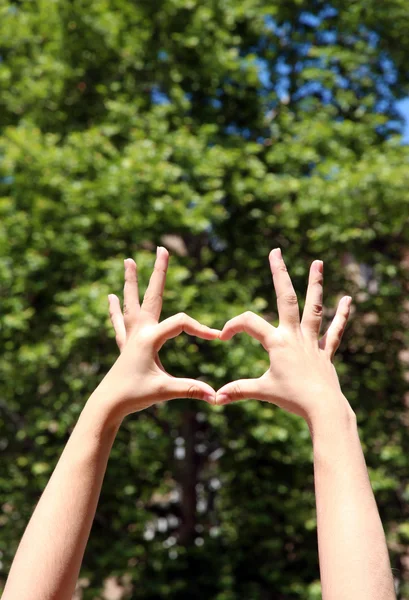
[(220, 129)]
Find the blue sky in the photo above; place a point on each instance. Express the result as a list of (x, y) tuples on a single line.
[(403, 107)]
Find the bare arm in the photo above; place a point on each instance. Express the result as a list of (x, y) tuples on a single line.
[(50, 553), (354, 561), (49, 556)]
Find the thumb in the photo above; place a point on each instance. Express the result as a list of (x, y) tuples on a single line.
[(241, 389), (179, 387)]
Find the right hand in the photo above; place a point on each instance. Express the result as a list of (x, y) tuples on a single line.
[(301, 377)]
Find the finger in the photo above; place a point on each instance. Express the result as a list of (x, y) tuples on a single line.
[(312, 314), (333, 336), (240, 390), (160, 365), (287, 302), (252, 324), (117, 320), (131, 295), (152, 302), (179, 387), (173, 326)]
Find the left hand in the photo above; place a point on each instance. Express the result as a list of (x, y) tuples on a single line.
[(139, 376)]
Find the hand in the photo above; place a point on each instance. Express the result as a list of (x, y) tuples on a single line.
[(138, 373), (301, 377)]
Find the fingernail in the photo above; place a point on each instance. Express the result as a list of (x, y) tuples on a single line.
[(159, 250), (278, 252), (223, 399), (320, 266), (349, 300)]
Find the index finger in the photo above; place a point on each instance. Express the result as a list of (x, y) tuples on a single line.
[(252, 324), (287, 303), (173, 326), (152, 301)]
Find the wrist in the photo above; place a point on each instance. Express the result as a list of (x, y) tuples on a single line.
[(333, 414), (105, 405), (335, 437)]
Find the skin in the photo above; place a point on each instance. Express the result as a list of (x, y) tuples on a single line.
[(301, 379), (354, 561), (49, 556), (140, 336)]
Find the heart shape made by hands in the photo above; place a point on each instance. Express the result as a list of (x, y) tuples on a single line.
[(297, 354)]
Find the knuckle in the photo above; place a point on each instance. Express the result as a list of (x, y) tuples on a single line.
[(130, 275), (317, 309), (162, 388), (159, 270), (193, 392), (280, 339), (290, 298), (248, 315), (150, 298), (281, 267), (237, 392), (145, 334)]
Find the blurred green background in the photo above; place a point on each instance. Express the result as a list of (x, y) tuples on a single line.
[(220, 129)]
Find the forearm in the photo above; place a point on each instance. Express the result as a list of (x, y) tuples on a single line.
[(49, 556), (354, 561)]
